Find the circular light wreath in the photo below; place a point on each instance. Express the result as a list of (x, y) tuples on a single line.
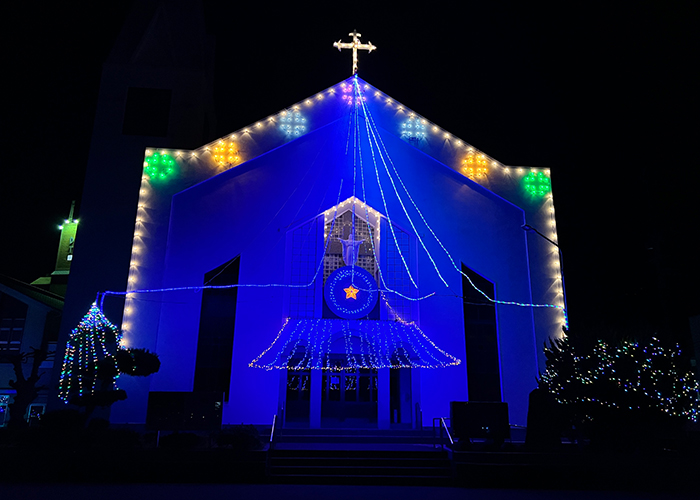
[(351, 292)]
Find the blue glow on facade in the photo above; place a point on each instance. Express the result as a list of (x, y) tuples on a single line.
[(251, 210)]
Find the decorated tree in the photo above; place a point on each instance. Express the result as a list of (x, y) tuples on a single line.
[(94, 360), (605, 388)]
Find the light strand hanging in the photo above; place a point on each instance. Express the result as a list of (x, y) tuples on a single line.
[(367, 344), (368, 116), (88, 343)]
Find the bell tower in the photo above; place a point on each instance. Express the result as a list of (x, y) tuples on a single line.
[(156, 91), (57, 281)]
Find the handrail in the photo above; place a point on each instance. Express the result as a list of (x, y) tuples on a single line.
[(272, 445), (443, 424), (442, 421), (272, 431)]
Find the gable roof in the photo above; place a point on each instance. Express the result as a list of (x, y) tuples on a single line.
[(525, 187), (334, 103), (43, 296)]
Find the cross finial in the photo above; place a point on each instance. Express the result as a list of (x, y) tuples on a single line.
[(354, 45)]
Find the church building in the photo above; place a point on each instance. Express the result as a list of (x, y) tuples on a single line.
[(345, 262)]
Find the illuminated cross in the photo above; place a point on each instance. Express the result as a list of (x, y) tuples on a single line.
[(354, 45)]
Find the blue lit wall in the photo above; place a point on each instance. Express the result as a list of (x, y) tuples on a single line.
[(205, 217)]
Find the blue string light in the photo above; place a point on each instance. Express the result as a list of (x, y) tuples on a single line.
[(372, 138), (384, 287), (238, 285), (382, 344), (386, 207), (368, 116)]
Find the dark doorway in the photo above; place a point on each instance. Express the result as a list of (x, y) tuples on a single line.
[(212, 372), (400, 397), (481, 338), (298, 400)]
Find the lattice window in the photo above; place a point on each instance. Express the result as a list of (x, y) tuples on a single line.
[(396, 275), (342, 230)]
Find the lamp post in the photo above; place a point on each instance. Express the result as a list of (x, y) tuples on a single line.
[(528, 228)]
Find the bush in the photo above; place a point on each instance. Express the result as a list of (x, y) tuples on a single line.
[(239, 437), (179, 441), (62, 420), (614, 392), (137, 362)]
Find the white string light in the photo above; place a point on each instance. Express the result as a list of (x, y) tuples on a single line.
[(383, 343), (368, 116)]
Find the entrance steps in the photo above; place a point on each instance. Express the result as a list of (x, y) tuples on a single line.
[(358, 456)]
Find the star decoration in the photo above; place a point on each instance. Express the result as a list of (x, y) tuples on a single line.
[(351, 292)]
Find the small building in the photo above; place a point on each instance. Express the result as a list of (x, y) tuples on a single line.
[(29, 318)]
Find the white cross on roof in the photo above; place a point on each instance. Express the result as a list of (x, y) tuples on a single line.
[(354, 45)]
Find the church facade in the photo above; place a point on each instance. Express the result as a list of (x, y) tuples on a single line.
[(342, 263)]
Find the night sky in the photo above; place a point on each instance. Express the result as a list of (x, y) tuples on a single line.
[(605, 96)]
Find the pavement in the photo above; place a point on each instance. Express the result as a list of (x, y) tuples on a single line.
[(25, 491)]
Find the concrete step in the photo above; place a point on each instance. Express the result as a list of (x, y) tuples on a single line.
[(381, 465), (356, 431), (321, 438), (333, 450), (357, 470), (379, 480), (356, 436)]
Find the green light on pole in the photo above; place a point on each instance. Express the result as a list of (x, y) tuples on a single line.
[(159, 166), (537, 184)]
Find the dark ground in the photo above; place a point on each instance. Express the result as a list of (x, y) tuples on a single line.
[(305, 492)]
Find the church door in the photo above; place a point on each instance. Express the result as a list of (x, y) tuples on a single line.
[(349, 397), (298, 398)]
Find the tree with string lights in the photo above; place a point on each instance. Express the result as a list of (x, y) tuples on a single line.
[(610, 391), (94, 360)]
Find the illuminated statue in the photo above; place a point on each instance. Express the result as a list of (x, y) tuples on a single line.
[(351, 249)]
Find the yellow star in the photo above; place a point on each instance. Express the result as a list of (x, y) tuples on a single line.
[(351, 292)]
